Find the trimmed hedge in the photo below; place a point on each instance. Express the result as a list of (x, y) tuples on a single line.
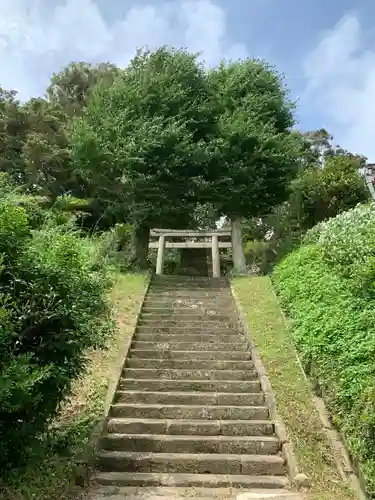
[(53, 308), (328, 290)]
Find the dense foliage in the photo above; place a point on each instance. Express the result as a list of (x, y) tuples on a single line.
[(53, 308), (256, 153), (109, 153), (327, 288), (319, 191), (141, 144)]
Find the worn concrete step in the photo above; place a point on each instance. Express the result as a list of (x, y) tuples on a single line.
[(191, 283), (185, 492), (189, 412), (190, 398), (193, 355), (209, 329), (199, 309), (191, 427), (188, 337), (188, 305), (188, 323), (162, 443), (199, 294), (174, 374), (189, 316), (189, 364), (190, 385), (191, 296), (190, 293), (183, 277), (212, 481), (191, 346), (203, 285), (188, 279), (201, 463)]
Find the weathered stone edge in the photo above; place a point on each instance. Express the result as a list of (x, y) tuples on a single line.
[(335, 439), (298, 479)]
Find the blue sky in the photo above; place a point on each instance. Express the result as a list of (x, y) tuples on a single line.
[(325, 48)]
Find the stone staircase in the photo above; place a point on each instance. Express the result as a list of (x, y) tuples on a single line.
[(189, 410)]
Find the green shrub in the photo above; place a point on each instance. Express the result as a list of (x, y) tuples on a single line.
[(327, 288), (53, 308), (259, 255)]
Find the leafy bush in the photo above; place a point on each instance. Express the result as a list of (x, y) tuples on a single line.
[(259, 255), (328, 289), (53, 308)]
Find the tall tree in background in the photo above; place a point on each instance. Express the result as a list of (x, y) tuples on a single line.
[(142, 143), (46, 150), (328, 183), (72, 87), (256, 153), (14, 127), (319, 193)]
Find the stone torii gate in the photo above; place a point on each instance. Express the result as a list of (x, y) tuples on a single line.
[(193, 239)]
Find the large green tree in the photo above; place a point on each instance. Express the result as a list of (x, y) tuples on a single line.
[(72, 87), (322, 192), (142, 143), (46, 150), (14, 127), (256, 153), (328, 183)]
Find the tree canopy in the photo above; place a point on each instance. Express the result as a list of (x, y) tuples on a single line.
[(166, 142), (142, 143)]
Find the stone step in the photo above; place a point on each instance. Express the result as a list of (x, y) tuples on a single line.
[(161, 443), (190, 398), (203, 285), (198, 294), (185, 278), (184, 294), (194, 355), (190, 385), (190, 293), (209, 329), (212, 481), (187, 305), (191, 427), (189, 364), (189, 316), (197, 308), (189, 412), (211, 309), (187, 462), (190, 283), (190, 346), (188, 337), (173, 374), (180, 279), (161, 492), (189, 323)]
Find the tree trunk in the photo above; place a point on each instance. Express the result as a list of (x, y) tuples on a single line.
[(140, 239), (239, 262)]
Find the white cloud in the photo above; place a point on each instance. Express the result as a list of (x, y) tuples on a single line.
[(37, 38), (340, 74)]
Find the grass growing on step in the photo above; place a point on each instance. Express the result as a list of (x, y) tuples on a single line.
[(293, 392), (54, 472)]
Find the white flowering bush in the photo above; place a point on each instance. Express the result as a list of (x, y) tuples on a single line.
[(327, 287)]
